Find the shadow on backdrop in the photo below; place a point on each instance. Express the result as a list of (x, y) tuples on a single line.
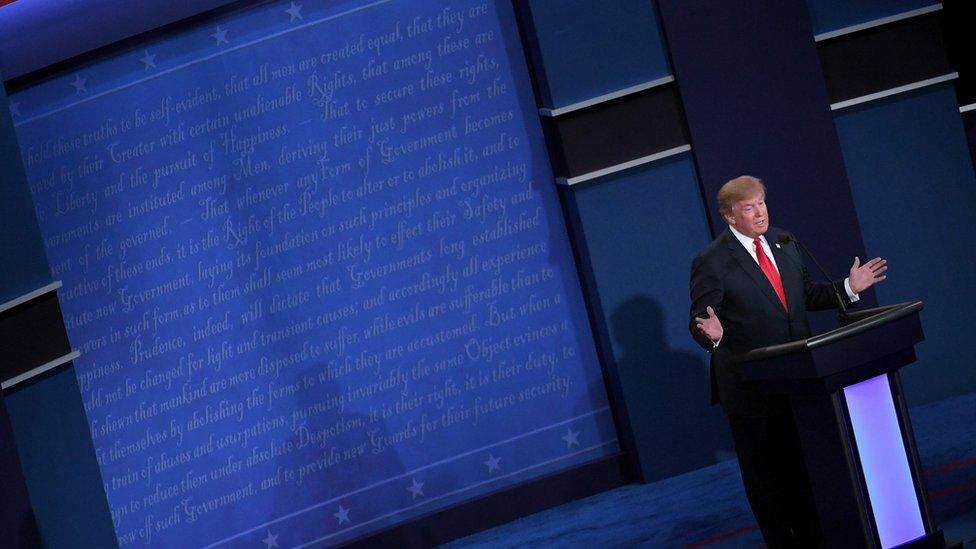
[(675, 426)]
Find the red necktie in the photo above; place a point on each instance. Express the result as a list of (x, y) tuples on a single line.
[(771, 273)]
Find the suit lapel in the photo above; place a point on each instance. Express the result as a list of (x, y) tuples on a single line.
[(749, 265)]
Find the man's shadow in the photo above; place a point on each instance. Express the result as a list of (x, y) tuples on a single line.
[(667, 394)]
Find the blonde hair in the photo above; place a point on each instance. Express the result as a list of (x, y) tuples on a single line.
[(737, 189)]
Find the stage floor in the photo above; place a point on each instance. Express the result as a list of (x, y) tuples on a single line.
[(707, 507)]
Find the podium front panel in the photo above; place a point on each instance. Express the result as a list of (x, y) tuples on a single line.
[(884, 461)]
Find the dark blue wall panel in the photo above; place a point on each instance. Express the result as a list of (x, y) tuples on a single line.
[(642, 228), (59, 461), (969, 122), (912, 180), (20, 237), (829, 15), (586, 49), (17, 525)]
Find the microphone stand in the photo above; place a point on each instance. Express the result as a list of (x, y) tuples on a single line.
[(841, 307)]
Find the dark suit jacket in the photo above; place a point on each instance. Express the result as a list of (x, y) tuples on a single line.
[(725, 277)]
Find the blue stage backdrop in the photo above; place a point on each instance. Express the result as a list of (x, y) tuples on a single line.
[(313, 259)]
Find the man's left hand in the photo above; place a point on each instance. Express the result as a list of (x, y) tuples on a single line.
[(864, 276)]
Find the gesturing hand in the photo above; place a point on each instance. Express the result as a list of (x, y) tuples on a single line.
[(711, 326), (864, 276)]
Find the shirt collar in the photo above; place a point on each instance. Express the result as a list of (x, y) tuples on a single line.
[(745, 240)]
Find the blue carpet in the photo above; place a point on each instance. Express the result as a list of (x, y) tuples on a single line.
[(707, 507)]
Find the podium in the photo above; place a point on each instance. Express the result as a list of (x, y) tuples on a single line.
[(853, 425)]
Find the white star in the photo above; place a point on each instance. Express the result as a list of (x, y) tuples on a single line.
[(417, 489), (571, 437), (15, 108), (271, 540), (148, 60), (295, 11), (492, 463), (220, 35), (79, 84), (342, 515)]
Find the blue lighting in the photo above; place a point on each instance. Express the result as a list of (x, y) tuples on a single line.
[(891, 489)]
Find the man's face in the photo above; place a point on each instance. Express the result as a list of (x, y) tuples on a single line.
[(749, 215)]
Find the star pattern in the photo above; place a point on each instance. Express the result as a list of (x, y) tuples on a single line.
[(148, 60), (342, 515), (571, 437), (493, 463), (220, 35), (79, 84), (295, 11), (271, 541), (417, 489)]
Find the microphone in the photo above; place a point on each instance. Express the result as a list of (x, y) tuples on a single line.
[(785, 238)]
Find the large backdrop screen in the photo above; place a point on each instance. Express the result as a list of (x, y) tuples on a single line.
[(314, 262)]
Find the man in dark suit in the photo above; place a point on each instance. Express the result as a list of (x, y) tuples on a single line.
[(750, 290)]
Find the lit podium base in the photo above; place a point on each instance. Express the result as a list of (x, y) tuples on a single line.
[(854, 429)]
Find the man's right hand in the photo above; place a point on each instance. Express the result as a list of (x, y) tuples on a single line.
[(711, 326)]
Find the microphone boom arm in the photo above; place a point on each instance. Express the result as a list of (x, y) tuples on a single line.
[(786, 239)]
